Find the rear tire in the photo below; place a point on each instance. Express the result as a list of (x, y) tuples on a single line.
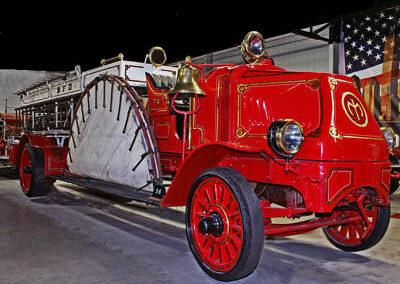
[(224, 225), (31, 170)]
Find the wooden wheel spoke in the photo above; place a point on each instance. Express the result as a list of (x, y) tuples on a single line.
[(352, 232)]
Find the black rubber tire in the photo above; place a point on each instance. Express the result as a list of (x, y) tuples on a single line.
[(253, 228), (376, 235), (394, 185), (40, 185)]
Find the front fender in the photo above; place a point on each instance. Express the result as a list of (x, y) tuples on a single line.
[(205, 157)]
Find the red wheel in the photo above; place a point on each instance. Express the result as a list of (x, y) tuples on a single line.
[(217, 224), (31, 171), (364, 234), (224, 224), (25, 170)]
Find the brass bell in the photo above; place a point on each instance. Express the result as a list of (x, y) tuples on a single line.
[(186, 81)]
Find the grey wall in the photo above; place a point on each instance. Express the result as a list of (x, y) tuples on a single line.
[(290, 51), (12, 81)]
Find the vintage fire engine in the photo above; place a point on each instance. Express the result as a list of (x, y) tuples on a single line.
[(238, 145)]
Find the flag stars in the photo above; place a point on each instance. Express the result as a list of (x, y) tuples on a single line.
[(368, 41), (363, 62)]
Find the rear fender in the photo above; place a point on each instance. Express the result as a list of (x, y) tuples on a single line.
[(55, 157), (208, 156)]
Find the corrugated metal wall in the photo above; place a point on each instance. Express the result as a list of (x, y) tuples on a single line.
[(290, 51)]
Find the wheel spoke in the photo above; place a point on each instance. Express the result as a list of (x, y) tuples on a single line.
[(207, 195), (222, 195), (352, 232), (215, 190)]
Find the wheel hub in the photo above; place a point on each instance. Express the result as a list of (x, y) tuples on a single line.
[(212, 225)]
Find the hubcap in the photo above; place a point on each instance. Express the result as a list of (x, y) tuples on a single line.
[(212, 225), (216, 224)]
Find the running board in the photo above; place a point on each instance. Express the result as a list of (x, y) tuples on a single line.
[(112, 188)]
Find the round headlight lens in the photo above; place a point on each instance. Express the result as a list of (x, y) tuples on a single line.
[(389, 136), (292, 137), (286, 137), (256, 45)]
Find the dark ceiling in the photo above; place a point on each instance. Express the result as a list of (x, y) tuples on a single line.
[(60, 34)]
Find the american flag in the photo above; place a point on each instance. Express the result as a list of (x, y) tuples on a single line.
[(369, 41)]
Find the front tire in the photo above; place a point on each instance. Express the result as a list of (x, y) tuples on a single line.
[(31, 170), (224, 225)]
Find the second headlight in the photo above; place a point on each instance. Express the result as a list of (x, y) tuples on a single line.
[(389, 136), (286, 137)]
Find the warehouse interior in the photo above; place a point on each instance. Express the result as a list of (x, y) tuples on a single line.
[(73, 220)]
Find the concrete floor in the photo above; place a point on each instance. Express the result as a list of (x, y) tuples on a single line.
[(77, 236)]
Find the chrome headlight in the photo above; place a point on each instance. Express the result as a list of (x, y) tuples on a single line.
[(390, 136), (286, 137)]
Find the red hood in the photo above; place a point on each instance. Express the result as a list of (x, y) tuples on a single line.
[(337, 123)]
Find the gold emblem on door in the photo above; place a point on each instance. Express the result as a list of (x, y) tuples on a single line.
[(354, 109)]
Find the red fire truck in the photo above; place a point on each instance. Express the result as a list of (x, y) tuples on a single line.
[(238, 145)]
